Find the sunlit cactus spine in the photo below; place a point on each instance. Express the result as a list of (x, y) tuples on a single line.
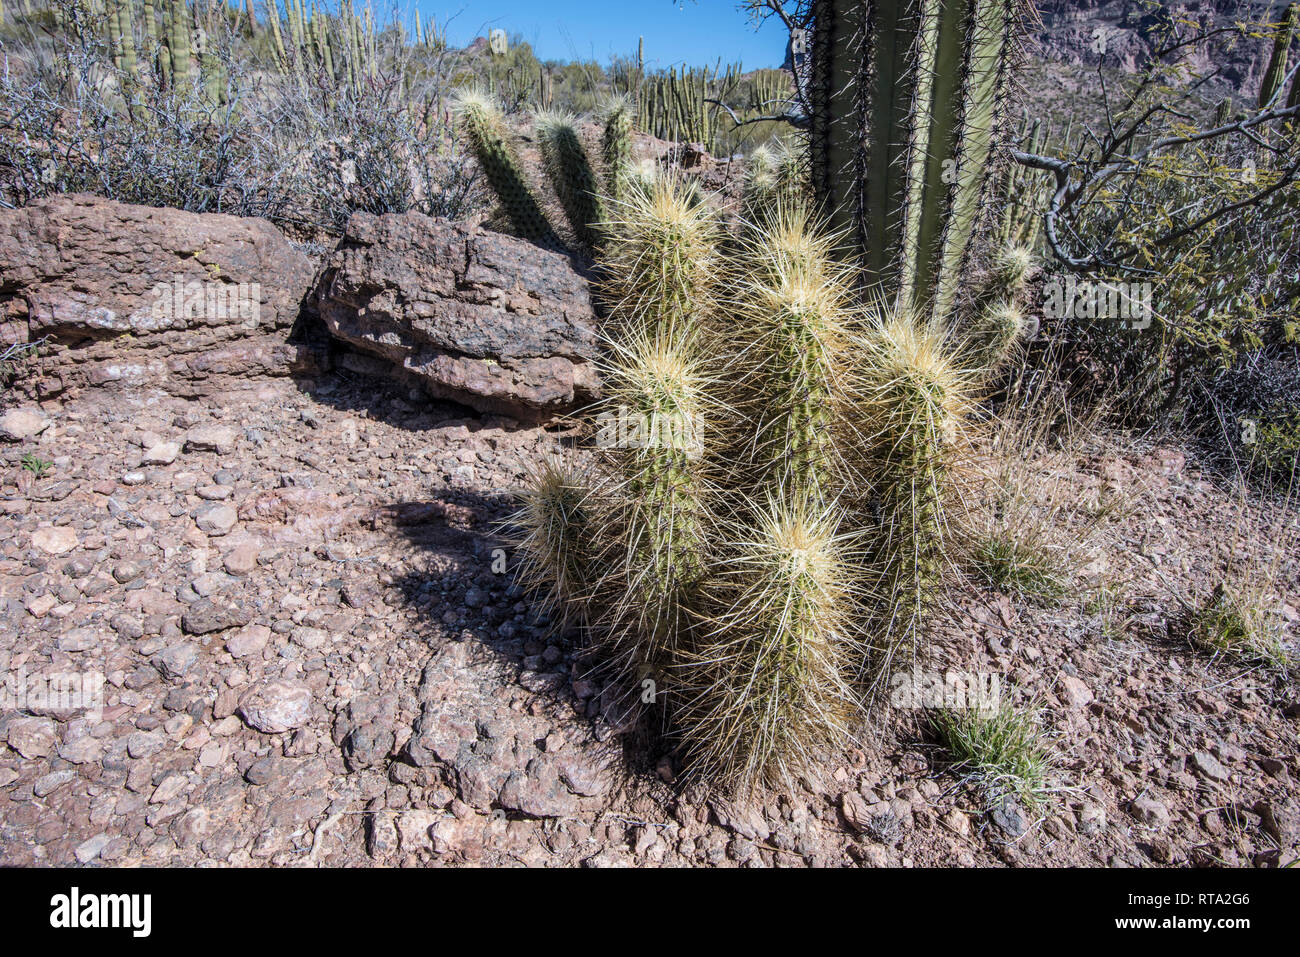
[(484, 127), (657, 406), (774, 180), (793, 348), (916, 397), (571, 174), (767, 690), (559, 538), (660, 261), (998, 322)]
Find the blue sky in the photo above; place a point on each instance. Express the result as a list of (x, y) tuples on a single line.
[(689, 32)]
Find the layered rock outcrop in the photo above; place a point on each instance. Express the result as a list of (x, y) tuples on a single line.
[(475, 316)]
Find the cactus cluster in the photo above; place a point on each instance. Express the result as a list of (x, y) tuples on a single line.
[(762, 559), (733, 549), (579, 184)]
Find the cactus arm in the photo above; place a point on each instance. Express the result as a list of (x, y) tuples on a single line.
[(985, 70), (1276, 71)]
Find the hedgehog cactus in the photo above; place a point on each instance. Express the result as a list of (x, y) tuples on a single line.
[(791, 331), (906, 100), (767, 690), (916, 398), (657, 403), (558, 522), (616, 148), (660, 259), (485, 129), (571, 174)]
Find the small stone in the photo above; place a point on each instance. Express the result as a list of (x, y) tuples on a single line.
[(174, 662), (171, 787), (47, 784), (242, 559), (1076, 692), (216, 519), (1092, 819), (211, 438), (88, 850), (19, 425), (164, 453), (32, 737), (276, 706), (1150, 812), (958, 822), (248, 640), (55, 540), (127, 572), (207, 615), (1208, 766), (1006, 815), (143, 744), (41, 606)]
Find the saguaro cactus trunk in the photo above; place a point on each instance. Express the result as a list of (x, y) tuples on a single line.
[(907, 99)]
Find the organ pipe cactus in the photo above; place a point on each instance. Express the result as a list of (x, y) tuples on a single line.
[(178, 42)]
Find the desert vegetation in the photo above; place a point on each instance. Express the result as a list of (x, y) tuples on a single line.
[(857, 355)]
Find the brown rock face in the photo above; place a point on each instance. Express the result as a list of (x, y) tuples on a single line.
[(475, 316), (139, 296)]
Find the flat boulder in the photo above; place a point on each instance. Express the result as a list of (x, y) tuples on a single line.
[(127, 295), (474, 316)]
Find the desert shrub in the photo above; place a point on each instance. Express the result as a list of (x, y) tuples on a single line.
[(71, 121), (307, 145), (1212, 223)]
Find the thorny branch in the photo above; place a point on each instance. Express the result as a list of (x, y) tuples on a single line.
[(1078, 180)]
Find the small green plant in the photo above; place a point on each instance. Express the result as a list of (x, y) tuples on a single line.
[(1239, 624), (1003, 753), (1020, 565), (37, 466)]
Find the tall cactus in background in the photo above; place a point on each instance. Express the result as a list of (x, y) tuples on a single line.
[(178, 42), (1276, 72), (906, 106), (121, 34)]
